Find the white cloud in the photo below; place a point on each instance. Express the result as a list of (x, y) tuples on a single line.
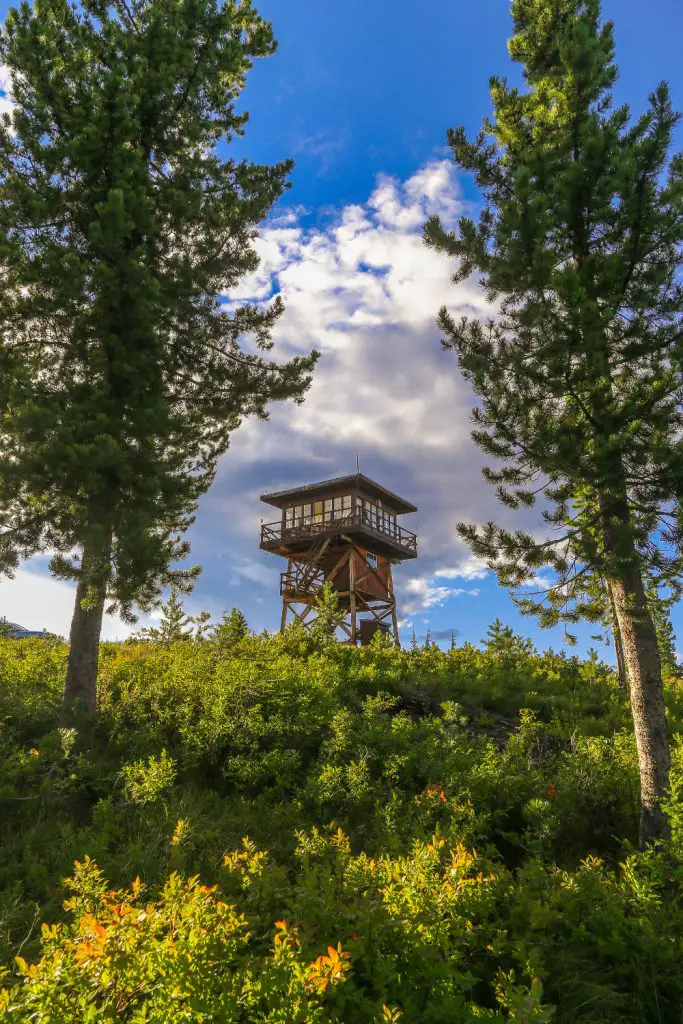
[(255, 572), (539, 583), (470, 568), (6, 101), (425, 593), (364, 289), (36, 601)]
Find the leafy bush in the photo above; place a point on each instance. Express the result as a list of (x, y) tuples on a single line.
[(370, 777)]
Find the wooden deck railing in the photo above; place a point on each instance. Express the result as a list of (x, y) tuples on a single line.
[(299, 581), (312, 526)]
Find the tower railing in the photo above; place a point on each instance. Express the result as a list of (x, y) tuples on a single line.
[(310, 526), (298, 581)]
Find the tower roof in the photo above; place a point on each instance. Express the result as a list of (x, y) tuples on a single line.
[(339, 485)]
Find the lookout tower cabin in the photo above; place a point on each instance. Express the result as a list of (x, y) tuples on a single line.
[(343, 532)]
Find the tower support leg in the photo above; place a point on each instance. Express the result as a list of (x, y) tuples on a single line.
[(283, 620), (352, 596), (305, 578), (392, 598)]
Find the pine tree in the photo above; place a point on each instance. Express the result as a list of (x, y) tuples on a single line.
[(413, 642), (123, 370), (579, 375), (660, 605), (329, 615), (232, 629), (584, 595), (502, 640), (175, 625)]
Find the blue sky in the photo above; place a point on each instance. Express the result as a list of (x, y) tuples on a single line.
[(361, 94)]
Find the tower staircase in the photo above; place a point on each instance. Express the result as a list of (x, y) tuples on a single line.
[(306, 576)]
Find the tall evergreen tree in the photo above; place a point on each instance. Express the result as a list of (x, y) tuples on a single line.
[(660, 605), (123, 372), (580, 593), (579, 375)]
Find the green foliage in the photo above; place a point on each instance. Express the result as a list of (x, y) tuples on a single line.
[(660, 605), (502, 641), (578, 376), (144, 782), (329, 615), (460, 823), (124, 225), (175, 624), (231, 629)]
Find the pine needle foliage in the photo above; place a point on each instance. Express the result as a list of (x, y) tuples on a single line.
[(579, 374), (123, 227), (175, 624)]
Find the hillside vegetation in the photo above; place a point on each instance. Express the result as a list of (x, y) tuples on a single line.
[(284, 829)]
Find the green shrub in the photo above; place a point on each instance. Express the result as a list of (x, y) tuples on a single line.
[(371, 776)]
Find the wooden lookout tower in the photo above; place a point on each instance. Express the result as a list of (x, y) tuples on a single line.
[(343, 532)]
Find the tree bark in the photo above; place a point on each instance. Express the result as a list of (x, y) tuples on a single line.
[(641, 654), (79, 703), (618, 644)]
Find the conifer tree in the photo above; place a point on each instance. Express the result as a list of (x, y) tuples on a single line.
[(175, 625), (123, 226), (584, 595), (660, 605), (329, 615), (579, 374), (232, 628)]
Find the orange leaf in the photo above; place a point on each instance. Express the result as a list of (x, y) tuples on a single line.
[(86, 950)]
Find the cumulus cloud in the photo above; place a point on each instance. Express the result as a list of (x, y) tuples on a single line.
[(469, 568), (360, 286), (363, 288), (247, 569), (425, 593), (36, 601), (539, 583)]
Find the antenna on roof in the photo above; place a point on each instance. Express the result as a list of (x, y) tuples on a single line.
[(357, 464)]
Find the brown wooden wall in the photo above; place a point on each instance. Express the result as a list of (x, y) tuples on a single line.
[(366, 580)]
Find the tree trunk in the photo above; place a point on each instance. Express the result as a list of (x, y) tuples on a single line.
[(618, 643), (641, 654), (79, 703)]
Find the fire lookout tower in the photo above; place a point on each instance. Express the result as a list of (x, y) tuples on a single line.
[(343, 532)]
